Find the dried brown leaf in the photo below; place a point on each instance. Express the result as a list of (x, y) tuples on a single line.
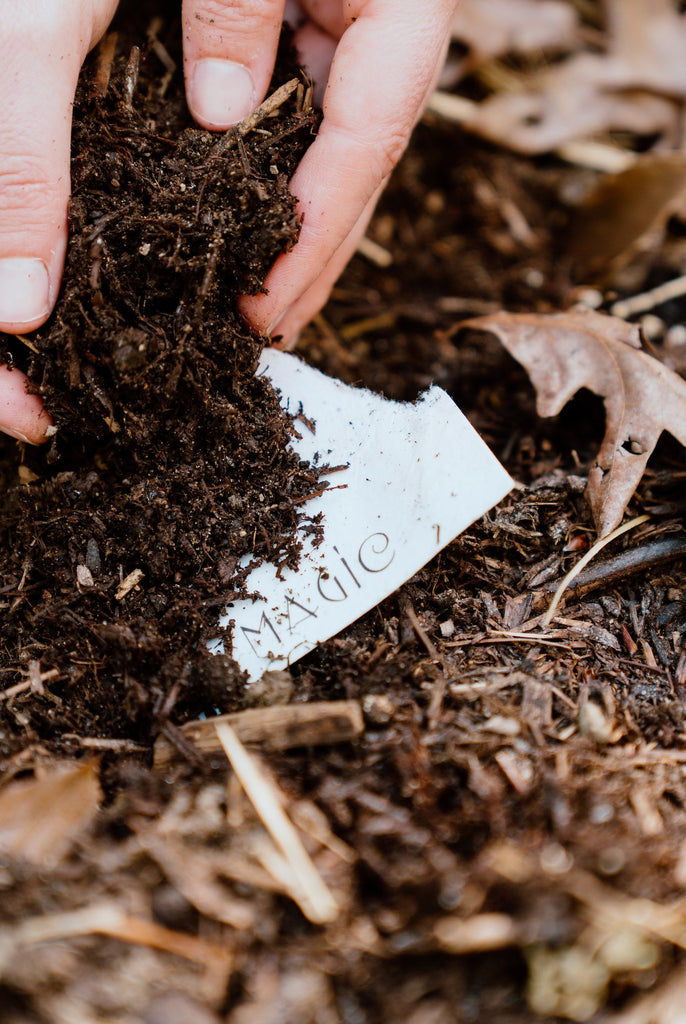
[(629, 87), (646, 45), (572, 100), (583, 349), (39, 818), (513, 26), (624, 211)]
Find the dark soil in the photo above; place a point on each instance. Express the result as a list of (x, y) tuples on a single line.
[(538, 778), (170, 456)]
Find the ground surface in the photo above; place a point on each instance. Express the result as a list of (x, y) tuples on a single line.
[(504, 840)]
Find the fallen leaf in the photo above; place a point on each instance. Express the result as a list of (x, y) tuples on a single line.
[(625, 213), (629, 87), (646, 45), (500, 27), (572, 100), (565, 352), (40, 817)]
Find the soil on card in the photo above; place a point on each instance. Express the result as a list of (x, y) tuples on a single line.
[(497, 772)]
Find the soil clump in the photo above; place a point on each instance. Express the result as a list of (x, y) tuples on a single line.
[(170, 458)]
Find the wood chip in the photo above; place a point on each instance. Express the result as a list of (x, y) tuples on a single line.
[(128, 583), (475, 934), (109, 919), (517, 769), (279, 727)]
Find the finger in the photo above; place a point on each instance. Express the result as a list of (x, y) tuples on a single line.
[(42, 46), (229, 53), (21, 415), (367, 121), (316, 50), (308, 305), (327, 14)]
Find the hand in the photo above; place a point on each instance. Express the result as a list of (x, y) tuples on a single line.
[(381, 59), (385, 57)]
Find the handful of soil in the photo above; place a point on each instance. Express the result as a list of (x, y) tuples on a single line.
[(170, 459)]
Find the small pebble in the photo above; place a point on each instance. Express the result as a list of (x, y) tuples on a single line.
[(589, 297), (676, 336), (652, 326), (593, 722), (611, 861), (93, 556), (378, 708), (533, 277), (84, 577)]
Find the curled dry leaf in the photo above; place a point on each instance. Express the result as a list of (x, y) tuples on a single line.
[(569, 351), (569, 101), (626, 213), (40, 817), (499, 27), (646, 44), (629, 87)]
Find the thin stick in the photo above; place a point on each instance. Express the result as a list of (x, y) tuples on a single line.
[(108, 919), (439, 688), (597, 156), (645, 301), (26, 341), (308, 888), (583, 562), (270, 105), (374, 252)]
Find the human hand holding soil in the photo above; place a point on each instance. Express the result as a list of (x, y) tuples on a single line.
[(379, 59)]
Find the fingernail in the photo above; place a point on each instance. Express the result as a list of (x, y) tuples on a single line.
[(221, 92), (24, 291), (16, 434)]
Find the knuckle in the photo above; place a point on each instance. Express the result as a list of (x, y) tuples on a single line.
[(25, 189), (218, 17), (388, 147)]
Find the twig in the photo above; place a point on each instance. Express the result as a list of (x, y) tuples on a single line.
[(108, 919), (645, 301), (590, 554), (103, 64), (375, 253), (596, 156), (29, 684), (308, 888), (270, 105), (102, 743), (276, 728), (128, 584), (647, 556), (27, 342), (582, 152), (439, 688), (131, 76)]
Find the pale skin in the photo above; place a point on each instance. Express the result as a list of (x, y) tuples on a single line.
[(374, 61)]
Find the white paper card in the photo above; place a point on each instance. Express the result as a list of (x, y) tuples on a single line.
[(417, 475)]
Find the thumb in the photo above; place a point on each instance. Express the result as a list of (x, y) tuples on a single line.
[(229, 49), (42, 46)]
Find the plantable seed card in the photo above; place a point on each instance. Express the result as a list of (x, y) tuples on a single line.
[(399, 482)]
